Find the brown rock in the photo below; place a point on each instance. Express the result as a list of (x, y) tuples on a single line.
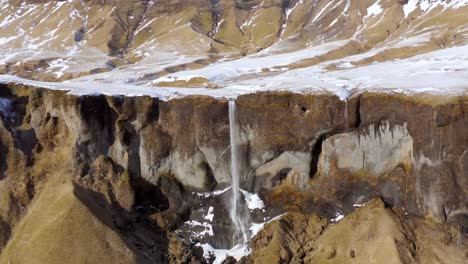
[(409, 148), (284, 240)]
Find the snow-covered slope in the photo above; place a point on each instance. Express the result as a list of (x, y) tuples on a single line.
[(231, 47)]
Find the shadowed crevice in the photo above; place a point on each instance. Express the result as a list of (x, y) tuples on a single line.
[(316, 151)]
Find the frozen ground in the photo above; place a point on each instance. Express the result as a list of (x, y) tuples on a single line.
[(238, 251), (441, 72), (423, 26), (208, 217)]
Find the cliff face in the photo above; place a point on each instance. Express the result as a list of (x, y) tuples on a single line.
[(116, 138), (408, 146), (137, 163)]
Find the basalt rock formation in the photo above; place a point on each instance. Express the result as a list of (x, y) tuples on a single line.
[(130, 170), (116, 144)]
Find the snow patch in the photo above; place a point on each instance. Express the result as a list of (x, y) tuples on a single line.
[(210, 215), (410, 7), (257, 62), (253, 201), (237, 251), (428, 5), (7, 39), (337, 218), (257, 227), (169, 78), (211, 194), (358, 205), (58, 67), (220, 255), (374, 9), (207, 228), (439, 72)]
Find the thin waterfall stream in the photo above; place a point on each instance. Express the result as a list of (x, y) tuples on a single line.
[(346, 114), (240, 233)]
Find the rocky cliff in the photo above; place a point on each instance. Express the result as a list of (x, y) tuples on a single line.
[(117, 142), (141, 167)]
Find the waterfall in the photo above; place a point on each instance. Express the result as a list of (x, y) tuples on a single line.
[(240, 234), (346, 114)]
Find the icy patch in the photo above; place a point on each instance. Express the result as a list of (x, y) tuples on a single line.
[(443, 71), (7, 39), (58, 67), (211, 194), (410, 7), (358, 205), (374, 9), (290, 10), (324, 9), (248, 22), (337, 218), (153, 62), (361, 201), (237, 251), (257, 227), (440, 72), (428, 5), (207, 228), (220, 255), (210, 215), (256, 63), (458, 3), (253, 201), (169, 78)]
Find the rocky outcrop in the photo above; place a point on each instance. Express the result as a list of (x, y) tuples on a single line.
[(58, 226), (409, 149), (136, 167), (285, 240), (371, 234), (188, 136), (283, 133)]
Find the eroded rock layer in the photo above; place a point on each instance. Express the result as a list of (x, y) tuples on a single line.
[(137, 172)]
